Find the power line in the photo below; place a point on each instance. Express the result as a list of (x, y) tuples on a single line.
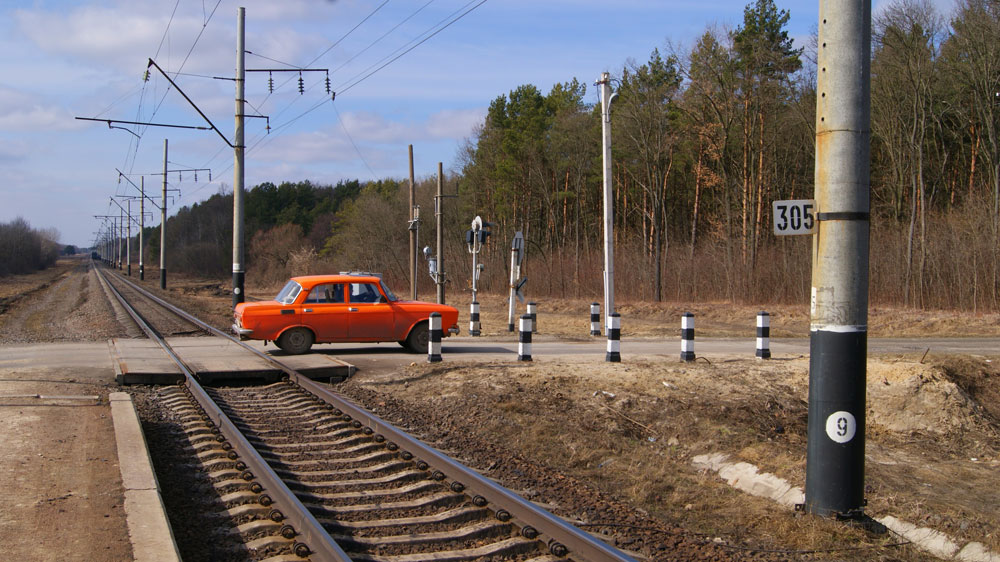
[(421, 42), (344, 127)]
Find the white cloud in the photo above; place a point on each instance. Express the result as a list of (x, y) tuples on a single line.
[(454, 123), (23, 112)]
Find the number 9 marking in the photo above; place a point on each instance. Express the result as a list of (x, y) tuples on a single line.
[(841, 426)]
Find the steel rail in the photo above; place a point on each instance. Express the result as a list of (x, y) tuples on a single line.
[(562, 537), (319, 542)]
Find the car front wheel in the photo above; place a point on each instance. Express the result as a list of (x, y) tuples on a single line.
[(416, 342), (295, 341)]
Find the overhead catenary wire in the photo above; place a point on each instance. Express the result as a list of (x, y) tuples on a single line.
[(261, 140)]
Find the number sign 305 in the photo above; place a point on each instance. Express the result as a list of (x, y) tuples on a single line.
[(794, 216)]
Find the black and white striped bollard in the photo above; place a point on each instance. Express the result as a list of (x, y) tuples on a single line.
[(474, 325), (533, 313), (434, 341), (614, 330), (524, 339), (595, 319), (687, 337), (763, 335)]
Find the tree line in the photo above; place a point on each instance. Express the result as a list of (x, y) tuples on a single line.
[(704, 139), (24, 249)]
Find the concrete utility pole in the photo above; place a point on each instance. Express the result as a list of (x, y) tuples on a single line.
[(838, 340), (413, 234), (163, 223), (238, 265), (438, 202), (609, 252), (142, 220)]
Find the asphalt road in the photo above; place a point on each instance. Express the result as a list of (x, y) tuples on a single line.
[(467, 348)]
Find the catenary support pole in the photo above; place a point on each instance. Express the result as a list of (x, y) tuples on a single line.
[(163, 223), (838, 339), (128, 238), (609, 251), (413, 234), (142, 222), (238, 169), (438, 212)]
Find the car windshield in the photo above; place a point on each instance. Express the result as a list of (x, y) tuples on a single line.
[(288, 293), (388, 293)]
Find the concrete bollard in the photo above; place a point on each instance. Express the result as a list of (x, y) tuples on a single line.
[(763, 335), (524, 339), (434, 341), (474, 325), (533, 313), (687, 337), (614, 330), (595, 319)]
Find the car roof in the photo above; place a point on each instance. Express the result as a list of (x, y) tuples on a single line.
[(335, 278)]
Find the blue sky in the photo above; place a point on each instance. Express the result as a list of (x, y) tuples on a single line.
[(63, 59)]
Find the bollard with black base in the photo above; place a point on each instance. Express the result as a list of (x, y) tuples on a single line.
[(595, 319), (474, 325), (533, 314), (763, 335), (434, 339), (614, 330), (524, 339), (687, 337)]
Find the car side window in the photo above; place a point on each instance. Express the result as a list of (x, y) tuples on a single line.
[(364, 292), (329, 292)]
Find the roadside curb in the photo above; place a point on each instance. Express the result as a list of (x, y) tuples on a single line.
[(745, 476), (148, 527)]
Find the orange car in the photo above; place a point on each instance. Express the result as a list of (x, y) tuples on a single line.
[(339, 308)]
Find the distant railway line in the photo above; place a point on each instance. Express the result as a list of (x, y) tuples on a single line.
[(292, 470)]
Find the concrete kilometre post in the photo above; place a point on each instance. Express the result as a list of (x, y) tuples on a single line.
[(524, 339), (687, 337), (763, 335), (614, 330), (434, 341), (474, 325)]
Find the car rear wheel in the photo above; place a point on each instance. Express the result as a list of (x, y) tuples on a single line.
[(416, 342), (295, 341)]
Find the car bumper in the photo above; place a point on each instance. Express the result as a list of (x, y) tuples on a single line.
[(243, 333)]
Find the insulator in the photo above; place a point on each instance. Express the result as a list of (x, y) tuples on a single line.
[(270, 83), (180, 176), (210, 175), (196, 177), (302, 87), (145, 77), (328, 83)]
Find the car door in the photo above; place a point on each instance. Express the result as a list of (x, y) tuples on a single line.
[(371, 315), (326, 312)]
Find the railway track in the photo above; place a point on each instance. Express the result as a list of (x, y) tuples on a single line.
[(301, 473)]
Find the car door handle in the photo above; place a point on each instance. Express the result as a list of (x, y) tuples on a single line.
[(352, 309), (308, 310)]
